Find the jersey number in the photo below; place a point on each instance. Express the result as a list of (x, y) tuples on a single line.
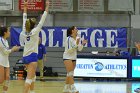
[(28, 38)]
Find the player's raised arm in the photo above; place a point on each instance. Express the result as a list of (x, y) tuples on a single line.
[(39, 26), (24, 14), (25, 6), (47, 6)]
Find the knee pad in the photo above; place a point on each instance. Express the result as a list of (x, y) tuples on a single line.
[(29, 81), (6, 83), (34, 79), (70, 74)]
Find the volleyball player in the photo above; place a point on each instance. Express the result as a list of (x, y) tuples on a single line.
[(4, 58), (31, 36), (69, 57)]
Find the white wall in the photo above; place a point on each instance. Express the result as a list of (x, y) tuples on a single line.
[(92, 20)]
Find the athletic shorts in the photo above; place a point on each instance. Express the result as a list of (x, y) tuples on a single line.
[(30, 58)]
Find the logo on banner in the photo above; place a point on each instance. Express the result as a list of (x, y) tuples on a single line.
[(99, 66)]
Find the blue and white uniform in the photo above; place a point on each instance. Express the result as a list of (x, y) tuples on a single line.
[(4, 52), (31, 40), (71, 49)]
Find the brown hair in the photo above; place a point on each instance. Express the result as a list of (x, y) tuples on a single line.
[(69, 30), (3, 30), (30, 24)]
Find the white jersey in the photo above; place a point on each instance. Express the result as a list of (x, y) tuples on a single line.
[(4, 52), (71, 48), (30, 40)]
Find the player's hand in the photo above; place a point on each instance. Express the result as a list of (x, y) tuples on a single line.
[(84, 42), (15, 48), (47, 5), (77, 40), (25, 3)]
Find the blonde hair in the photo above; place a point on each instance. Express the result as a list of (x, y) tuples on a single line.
[(30, 23)]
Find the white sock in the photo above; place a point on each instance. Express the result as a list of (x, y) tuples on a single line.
[(66, 84), (73, 88), (66, 88), (4, 91), (32, 91), (72, 85)]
